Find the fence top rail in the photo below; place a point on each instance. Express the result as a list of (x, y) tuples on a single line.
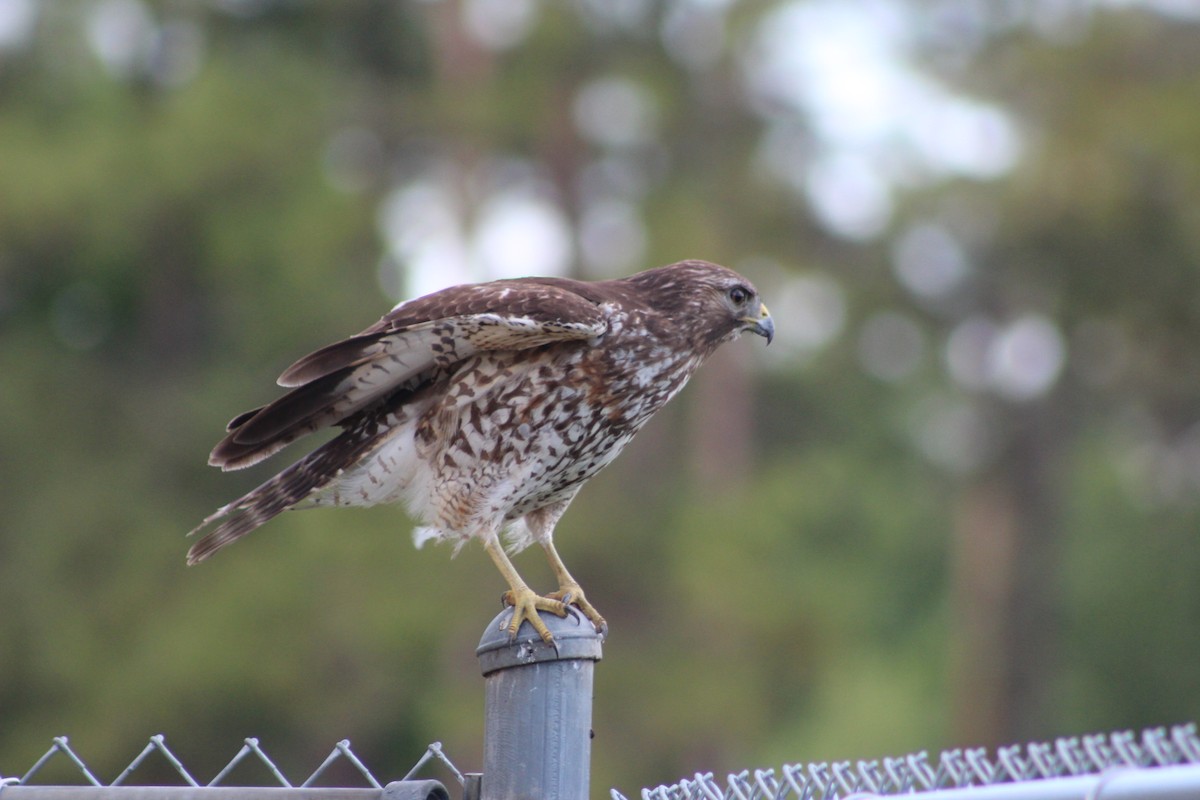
[(399, 790), (1160, 763), (24, 792)]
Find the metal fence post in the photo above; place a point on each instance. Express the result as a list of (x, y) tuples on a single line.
[(538, 709)]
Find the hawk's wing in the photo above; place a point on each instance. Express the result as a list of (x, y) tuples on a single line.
[(407, 348)]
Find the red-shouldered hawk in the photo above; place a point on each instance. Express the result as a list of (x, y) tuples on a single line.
[(484, 408)]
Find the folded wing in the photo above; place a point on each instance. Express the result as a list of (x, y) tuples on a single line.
[(414, 344)]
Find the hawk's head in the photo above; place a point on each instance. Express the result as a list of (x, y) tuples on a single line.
[(713, 303)]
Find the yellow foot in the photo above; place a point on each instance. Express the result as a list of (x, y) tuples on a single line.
[(570, 594), (525, 605)]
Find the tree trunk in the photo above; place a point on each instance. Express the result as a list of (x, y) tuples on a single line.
[(1006, 580)]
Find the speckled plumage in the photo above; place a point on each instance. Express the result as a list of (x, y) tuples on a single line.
[(485, 407)]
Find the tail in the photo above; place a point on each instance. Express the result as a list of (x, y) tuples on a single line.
[(286, 490)]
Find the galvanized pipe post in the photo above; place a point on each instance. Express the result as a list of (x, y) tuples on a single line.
[(537, 740)]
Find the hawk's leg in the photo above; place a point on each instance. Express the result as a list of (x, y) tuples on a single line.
[(569, 591), (525, 602)]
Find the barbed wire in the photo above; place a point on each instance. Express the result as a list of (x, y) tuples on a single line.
[(1070, 757), (61, 749)]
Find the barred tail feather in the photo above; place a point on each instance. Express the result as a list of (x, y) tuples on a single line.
[(245, 520), (286, 490)]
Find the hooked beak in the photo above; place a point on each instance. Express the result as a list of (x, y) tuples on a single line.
[(763, 325)]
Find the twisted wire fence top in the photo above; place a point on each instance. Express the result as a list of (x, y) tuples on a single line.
[(839, 780), (61, 749), (953, 769)]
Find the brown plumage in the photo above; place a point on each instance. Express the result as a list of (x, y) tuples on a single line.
[(484, 408)]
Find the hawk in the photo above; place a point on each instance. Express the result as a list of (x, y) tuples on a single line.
[(485, 408)]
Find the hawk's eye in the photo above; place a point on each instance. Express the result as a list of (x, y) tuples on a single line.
[(739, 295)]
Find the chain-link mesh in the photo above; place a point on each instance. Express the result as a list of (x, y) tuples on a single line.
[(1094, 755), (61, 749), (1122, 754)]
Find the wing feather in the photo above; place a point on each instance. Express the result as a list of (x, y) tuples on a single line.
[(405, 350), (331, 358)]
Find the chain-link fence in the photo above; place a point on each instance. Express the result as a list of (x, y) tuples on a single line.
[(1161, 764), (26, 786), (537, 734)]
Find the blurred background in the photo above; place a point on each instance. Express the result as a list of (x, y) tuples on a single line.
[(956, 503)]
